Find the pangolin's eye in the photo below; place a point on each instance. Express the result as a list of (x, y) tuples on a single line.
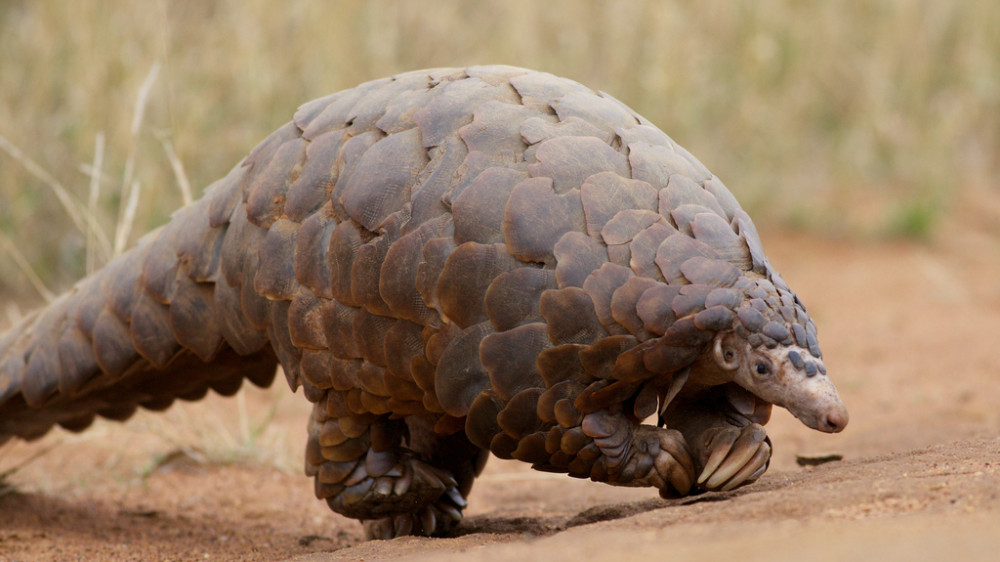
[(762, 369)]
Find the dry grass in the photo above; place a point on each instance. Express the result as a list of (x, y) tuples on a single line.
[(844, 117), (257, 427)]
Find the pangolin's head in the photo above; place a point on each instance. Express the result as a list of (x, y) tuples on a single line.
[(772, 353), (785, 375)]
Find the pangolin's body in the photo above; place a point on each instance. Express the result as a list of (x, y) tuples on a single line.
[(450, 262)]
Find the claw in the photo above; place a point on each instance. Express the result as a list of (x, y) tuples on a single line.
[(428, 520), (760, 471), (353, 494), (680, 479), (379, 529), (665, 397), (729, 469), (383, 486), (456, 498), (450, 511), (745, 474), (673, 465), (423, 473), (719, 452), (357, 475), (736, 457), (403, 483), (403, 525), (447, 479)]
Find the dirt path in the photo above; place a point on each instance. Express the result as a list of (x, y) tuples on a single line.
[(909, 333), (851, 510)]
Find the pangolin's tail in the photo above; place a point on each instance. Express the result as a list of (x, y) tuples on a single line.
[(172, 318)]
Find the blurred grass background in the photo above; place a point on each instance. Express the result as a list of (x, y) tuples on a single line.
[(846, 118)]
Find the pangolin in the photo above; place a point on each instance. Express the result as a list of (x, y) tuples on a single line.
[(450, 263)]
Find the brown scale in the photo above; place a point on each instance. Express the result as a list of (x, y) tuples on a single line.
[(538, 129), (450, 263), (655, 164), (577, 255), (479, 208), (600, 285), (606, 194), (536, 217), (644, 247)]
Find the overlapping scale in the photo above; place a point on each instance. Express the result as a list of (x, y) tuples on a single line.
[(494, 254)]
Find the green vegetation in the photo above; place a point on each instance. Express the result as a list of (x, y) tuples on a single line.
[(853, 117), (913, 219)]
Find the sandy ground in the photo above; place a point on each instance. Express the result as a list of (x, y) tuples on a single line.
[(910, 335)]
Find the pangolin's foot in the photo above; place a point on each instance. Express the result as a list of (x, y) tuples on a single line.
[(398, 478), (395, 493), (725, 434), (435, 519), (380, 484), (640, 455), (732, 456)]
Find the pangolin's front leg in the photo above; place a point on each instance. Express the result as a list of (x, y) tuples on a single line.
[(712, 442), (633, 454), (725, 434)]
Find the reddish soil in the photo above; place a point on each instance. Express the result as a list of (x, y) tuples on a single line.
[(909, 333)]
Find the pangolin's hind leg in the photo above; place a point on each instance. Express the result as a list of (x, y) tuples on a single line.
[(455, 461), (398, 478)]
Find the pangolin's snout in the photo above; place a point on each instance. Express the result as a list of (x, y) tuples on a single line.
[(834, 420)]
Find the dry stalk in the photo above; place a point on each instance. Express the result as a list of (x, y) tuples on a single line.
[(82, 219), (26, 268), (92, 198), (130, 187), (177, 166)]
